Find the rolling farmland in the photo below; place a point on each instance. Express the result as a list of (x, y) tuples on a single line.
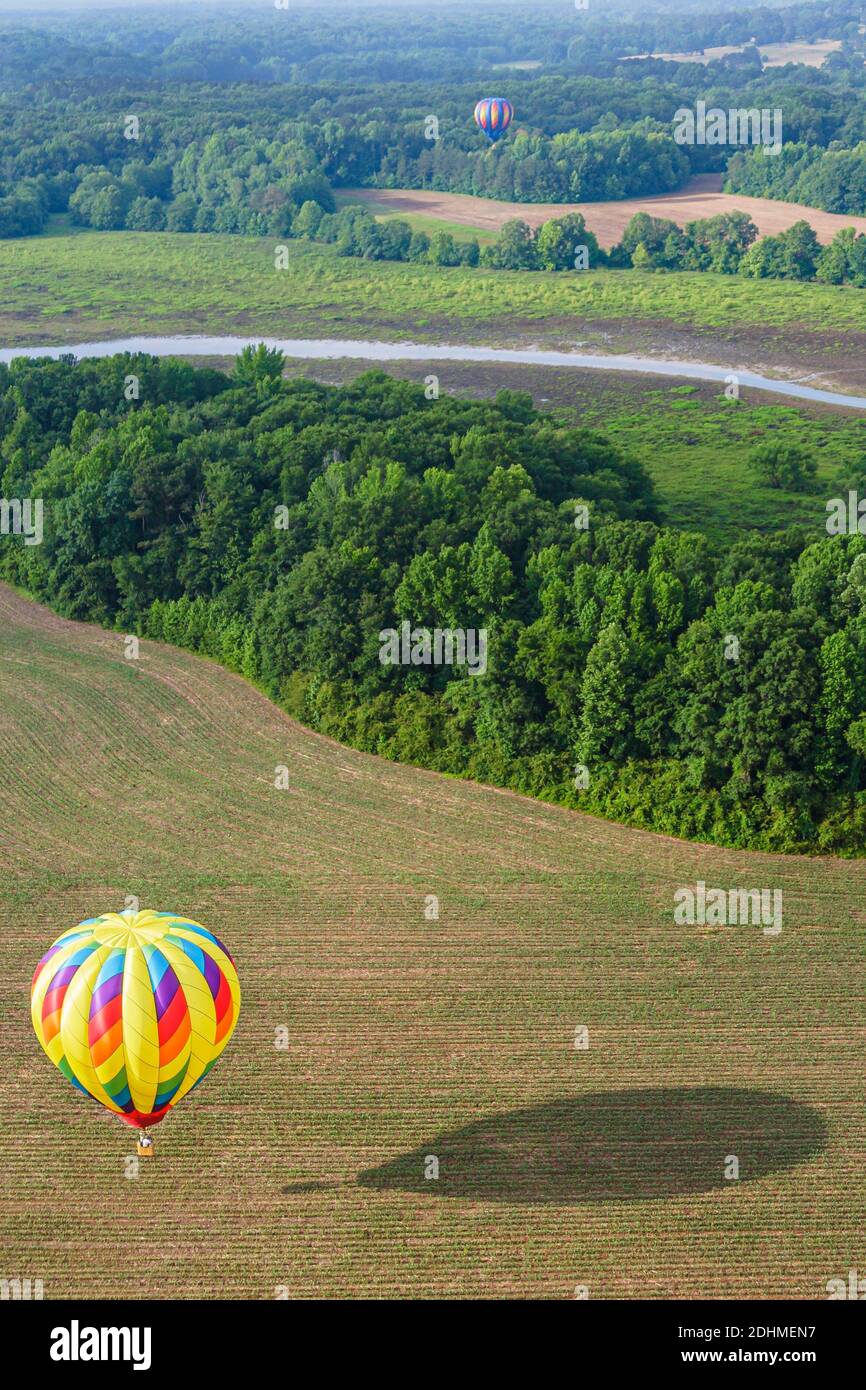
[(411, 1036)]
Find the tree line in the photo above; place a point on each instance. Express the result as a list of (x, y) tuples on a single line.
[(727, 244), (832, 179)]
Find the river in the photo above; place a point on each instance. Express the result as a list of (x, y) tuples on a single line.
[(322, 348)]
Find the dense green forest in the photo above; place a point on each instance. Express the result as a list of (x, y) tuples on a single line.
[(345, 42), (833, 179), (125, 121), (633, 670)]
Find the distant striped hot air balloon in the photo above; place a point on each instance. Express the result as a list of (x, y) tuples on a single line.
[(134, 1008), (494, 115)]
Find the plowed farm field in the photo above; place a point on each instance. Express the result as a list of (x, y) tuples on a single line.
[(700, 197), (469, 982)]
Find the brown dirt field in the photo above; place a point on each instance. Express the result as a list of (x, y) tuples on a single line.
[(300, 1169), (700, 197), (775, 55)]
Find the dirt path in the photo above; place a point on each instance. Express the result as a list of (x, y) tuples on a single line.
[(701, 197)]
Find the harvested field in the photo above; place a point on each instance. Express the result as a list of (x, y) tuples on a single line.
[(411, 1037), (700, 197), (774, 55)]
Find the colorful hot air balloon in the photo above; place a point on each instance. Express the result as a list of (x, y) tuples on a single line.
[(494, 115), (134, 1008)]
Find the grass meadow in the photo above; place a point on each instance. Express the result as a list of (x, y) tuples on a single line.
[(696, 448), (420, 222), (58, 288)]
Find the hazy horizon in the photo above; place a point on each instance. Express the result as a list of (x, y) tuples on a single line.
[(48, 7), (66, 7)]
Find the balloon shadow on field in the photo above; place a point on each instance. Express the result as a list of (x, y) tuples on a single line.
[(626, 1146)]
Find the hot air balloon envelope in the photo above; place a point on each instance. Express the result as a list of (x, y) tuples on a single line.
[(135, 1008), (494, 115)]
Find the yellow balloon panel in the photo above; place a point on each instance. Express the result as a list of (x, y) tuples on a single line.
[(134, 1008)]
